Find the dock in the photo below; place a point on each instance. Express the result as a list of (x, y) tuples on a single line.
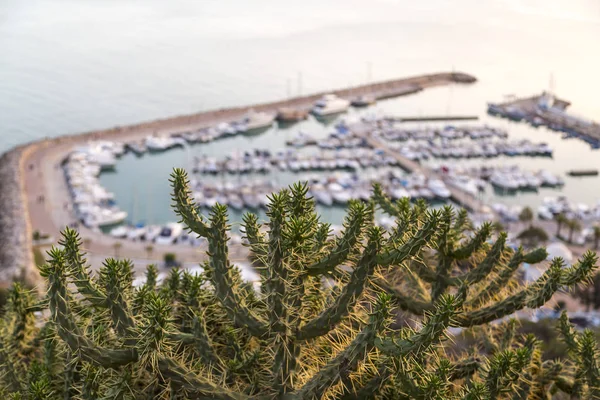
[(550, 111), (436, 118), (458, 196)]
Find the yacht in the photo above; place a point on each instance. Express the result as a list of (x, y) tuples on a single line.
[(321, 195), (120, 232), (136, 232), (504, 181), (330, 104), (256, 120), (339, 193), (438, 188), (169, 233), (151, 232), (103, 217)]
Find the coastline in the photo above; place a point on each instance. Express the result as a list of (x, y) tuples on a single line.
[(33, 170)]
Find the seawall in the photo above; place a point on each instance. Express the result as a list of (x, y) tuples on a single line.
[(15, 230)]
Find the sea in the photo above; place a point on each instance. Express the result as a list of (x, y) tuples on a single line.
[(68, 66)]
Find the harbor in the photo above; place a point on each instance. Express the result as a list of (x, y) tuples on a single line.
[(49, 198)]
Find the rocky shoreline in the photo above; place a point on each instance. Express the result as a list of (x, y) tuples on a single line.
[(16, 257)]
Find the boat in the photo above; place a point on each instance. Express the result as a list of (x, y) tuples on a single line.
[(288, 114), (321, 195), (169, 233), (339, 193), (235, 201), (151, 232), (250, 199), (163, 143), (330, 104), (583, 172), (120, 232), (136, 232), (100, 217), (363, 101), (439, 189), (255, 121)]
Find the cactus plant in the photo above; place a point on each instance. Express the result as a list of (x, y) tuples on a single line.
[(318, 326)]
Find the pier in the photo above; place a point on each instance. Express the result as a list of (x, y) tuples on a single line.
[(437, 118), (458, 196), (550, 111), (39, 184)]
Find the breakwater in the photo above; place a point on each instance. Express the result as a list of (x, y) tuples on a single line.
[(33, 170), (15, 230)]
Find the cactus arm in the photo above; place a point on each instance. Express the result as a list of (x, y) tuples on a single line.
[(112, 275), (464, 368), (533, 296), (505, 368), (588, 354), (372, 386), (394, 255), (9, 374), (433, 328), (486, 266), (384, 202), (221, 275), (200, 341), (581, 271), (406, 303), (195, 387), (256, 240), (68, 330), (76, 263), (348, 358), (183, 204), (353, 228), (473, 244), (342, 305)]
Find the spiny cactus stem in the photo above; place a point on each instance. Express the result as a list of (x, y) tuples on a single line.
[(69, 331), (184, 205), (396, 255), (487, 265), (533, 296), (342, 305), (433, 328), (473, 244), (353, 228), (78, 269), (195, 387), (221, 276), (406, 303), (347, 359)]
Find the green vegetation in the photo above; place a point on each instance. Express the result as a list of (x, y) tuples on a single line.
[(533, 236), (318, 327)]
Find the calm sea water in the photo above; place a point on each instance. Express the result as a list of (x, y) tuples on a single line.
[(68, 66)]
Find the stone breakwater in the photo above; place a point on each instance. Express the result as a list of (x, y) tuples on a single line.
[(15, 230)]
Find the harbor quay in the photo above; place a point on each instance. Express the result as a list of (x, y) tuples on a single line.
[(38, 183)]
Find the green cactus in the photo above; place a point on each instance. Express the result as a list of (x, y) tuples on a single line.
[(319, 327)]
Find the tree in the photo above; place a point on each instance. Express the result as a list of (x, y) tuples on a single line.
[(171, 260), (213, 336), (573, 226), (117, 248), (533, 236), (149, 249), (589, 295), (526, 216), (596, 236), (561, 219)]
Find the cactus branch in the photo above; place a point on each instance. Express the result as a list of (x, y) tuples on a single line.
[(329, 318)]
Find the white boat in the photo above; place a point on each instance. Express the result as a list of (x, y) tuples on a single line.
[(330, 104), (169, 233), (339, 193), (104, 217), (120, 231), (136, 232), (439, 188), (256, 120), (321, 195), (250, 199), (399, 193), (504, 181), (235, 201), (151, 232), (545, 213)]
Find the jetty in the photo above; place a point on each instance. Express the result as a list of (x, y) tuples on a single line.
[(457, 195), (39, 186), (550, 111)]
